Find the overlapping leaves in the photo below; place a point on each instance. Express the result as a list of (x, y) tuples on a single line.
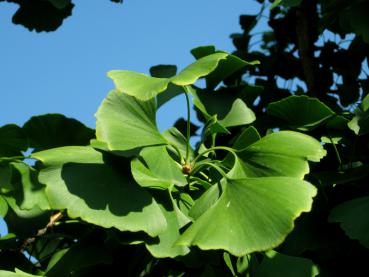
[(135, 181)]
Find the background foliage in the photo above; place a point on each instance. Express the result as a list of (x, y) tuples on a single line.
[(229, 210)]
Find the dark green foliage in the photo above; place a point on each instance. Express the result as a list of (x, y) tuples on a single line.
[(43, 15), (276, 185)]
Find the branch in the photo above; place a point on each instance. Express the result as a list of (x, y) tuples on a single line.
[(304, 15), (53, 219)]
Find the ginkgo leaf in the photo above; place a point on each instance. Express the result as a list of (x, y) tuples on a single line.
[(353, 219), (198, 69), (137, 84), (252, 214), (126, 123), (301, 112), (165, 246), (283, 153), (154, 168), (80, 180)]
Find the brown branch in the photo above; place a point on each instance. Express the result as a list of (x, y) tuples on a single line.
[(53, 219), (305, 42)]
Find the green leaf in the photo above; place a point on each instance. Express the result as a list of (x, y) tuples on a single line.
[(240, 222), (248, 136), (27, 191), (80, 180), (145, 87), (360, 123), (126, 123), (200, 68), (3, 207), (275, 4), (239, 114), (283, 153), (165, 247), (225, 68), (12, 141), (206, 200), (276, 264), (229, 112), (6, 173), (60, 130), (17, 273), (154, 168), (353, 219), (301, 112), (137, 84), (176, 138)]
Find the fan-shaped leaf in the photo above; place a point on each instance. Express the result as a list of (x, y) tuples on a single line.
[(60, 130), (80, 180), (284, 153), (252, 214), (137, 84), (301, 112), (276, 264), (154, 168), (165, 246), (200, 68), (126, 123), (354, 219)]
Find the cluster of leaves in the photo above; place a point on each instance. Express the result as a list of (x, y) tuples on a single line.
[(43, 15), (318, 49), (245, 201), (134, 192)]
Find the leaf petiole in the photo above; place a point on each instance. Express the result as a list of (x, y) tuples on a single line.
[(188, 131)]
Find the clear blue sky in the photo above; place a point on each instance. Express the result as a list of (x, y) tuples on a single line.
[(65, 71)]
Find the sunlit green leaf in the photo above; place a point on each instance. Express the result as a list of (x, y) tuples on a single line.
[(137, 84), (176, 138), (360, 123), (283, 153), (239, 114), (17, 273), (154, 168), (126, 123), (79, 180), (200, 68), (27, 191), (165, 246), (240, 222)]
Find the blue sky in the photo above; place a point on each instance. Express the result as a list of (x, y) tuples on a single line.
[(65, 71)]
